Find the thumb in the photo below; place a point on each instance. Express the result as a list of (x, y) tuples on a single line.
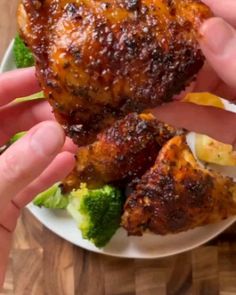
[(218, 44)]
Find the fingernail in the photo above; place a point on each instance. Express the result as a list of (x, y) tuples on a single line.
[(48, 139), (217, 35)]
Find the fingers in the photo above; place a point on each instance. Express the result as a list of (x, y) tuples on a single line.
[(216, 123), (28, 158), (70, 146), (207, 80), (225, 9), (219, 46), (28, 114), (57, 170), (9, 217), (5, 245), (17, 83)]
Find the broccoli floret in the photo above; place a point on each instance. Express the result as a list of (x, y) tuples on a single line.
[(52, 198), (97, 212), (22, 55)]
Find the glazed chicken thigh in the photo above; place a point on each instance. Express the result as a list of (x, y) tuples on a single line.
[(100, 60), (101, 65), (122, 153), (177, 194)]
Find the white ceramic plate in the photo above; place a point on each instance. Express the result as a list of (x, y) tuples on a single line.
[(148, 246)]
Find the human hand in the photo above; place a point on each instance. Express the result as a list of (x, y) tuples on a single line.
[(33, 163), (219, 46), (218, 76)]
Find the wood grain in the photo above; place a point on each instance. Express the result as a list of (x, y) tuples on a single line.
[(43, 264)]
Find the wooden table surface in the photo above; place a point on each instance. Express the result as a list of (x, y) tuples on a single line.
[(42, 263)]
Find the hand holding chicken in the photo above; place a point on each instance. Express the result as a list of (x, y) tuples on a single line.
[(101, 64)]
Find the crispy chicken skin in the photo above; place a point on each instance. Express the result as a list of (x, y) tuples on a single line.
[(177, 194), (122, 152), (100, 64), (100, 60)]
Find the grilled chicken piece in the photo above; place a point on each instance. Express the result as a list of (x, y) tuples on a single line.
[(100, 60), (123, 152), (177, 194)]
